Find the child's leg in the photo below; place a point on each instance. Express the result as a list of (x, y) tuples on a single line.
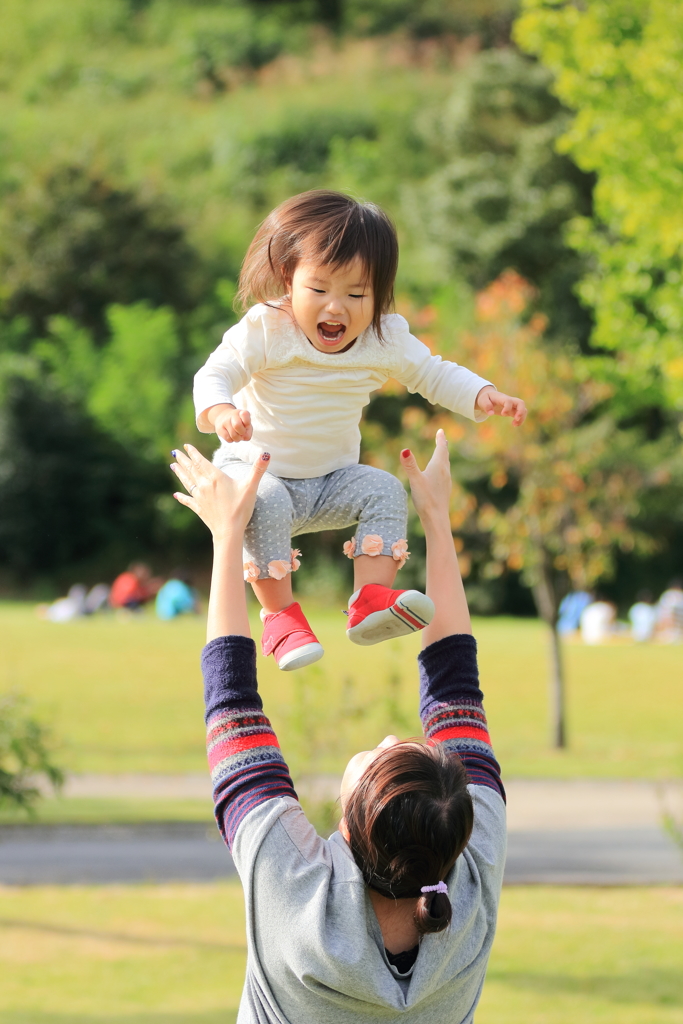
[(267, 539), (274, 595), (377, 501), (268, 565), (382, 569)]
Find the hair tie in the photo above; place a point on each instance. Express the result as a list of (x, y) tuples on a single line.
[(439, 887)]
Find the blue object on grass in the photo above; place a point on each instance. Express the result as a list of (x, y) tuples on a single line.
[(175, 598), (570, 611)]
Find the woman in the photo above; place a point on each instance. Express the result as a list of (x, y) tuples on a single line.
[(395, 914)]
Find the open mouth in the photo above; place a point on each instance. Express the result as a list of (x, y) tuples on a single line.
[(331, 332)]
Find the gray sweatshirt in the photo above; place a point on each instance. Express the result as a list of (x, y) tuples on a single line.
[(315, 949)]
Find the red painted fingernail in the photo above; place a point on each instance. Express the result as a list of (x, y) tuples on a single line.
[(405, 453), (265, 456)]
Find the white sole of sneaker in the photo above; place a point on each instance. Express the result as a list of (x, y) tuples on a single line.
[(410, 612), (307, 654)]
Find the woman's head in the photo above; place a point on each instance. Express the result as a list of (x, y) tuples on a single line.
[(330, 247), (407, 818)]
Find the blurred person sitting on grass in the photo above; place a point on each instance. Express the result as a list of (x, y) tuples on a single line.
[(135, 587), (670, 613), (293, 377), (394, 915), (643, 617), (176, 597)]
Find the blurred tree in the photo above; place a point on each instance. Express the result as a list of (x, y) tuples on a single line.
[(564, 490), (131, 386), (619, 65), (70, 492), (234, 37), (26, 754), (501, 196), (74, 244)]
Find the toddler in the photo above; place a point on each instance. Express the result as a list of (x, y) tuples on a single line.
[(292, 378)]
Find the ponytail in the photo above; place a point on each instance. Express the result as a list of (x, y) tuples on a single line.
[(433, 912)]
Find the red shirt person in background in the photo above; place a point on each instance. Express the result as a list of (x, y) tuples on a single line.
[(134, 587)]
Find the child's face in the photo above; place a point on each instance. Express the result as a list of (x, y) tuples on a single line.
[(332, 306)]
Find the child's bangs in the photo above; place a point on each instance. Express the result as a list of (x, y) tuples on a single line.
[(337, 250)]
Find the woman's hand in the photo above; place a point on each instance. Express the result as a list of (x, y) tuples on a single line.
[(431, 489), (224, 504), (431, 492)]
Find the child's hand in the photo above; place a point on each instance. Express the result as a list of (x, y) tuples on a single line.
[(494, 402), (233, 424)]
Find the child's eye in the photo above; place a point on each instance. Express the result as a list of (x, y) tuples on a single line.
[(318, 291), (356, 296)]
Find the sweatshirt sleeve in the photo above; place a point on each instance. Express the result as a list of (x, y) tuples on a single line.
[(240, 355), (247, 766), (451, 707), (438, 380)]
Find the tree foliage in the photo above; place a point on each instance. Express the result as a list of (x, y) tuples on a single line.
[(563, 492), (500, 195), (26, 754), (71, 492), (619, 65), (73, 244)]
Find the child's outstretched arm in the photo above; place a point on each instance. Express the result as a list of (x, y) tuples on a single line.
[(451, 702), (445, 383), (247, 766)]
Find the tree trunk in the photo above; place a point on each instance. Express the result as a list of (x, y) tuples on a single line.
[(557, 716), (547, 605)]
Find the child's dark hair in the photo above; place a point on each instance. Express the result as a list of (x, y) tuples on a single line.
[(409, 818), (329, 229)]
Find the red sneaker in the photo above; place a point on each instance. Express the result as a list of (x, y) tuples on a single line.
[(288, 637), (377, 613)]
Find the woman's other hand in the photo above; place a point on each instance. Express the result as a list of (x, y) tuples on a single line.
[(431, 492), (224, 504), (431, 488)]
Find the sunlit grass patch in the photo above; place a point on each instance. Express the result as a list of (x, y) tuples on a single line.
[(126, 696), (176, 954)]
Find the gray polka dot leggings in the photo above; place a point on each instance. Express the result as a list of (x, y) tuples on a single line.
[(287, 507)]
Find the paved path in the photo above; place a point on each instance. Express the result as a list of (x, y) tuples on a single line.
[(560, 832), (67, 855)]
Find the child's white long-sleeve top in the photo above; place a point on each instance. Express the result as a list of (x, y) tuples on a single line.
[(306, 405)]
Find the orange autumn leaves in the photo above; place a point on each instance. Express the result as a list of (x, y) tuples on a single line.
[(564, 487)]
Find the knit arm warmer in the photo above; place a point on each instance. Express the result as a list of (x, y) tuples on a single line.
[(246, 764), (451, 707)]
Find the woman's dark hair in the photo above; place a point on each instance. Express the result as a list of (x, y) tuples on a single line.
[(326, 228), (409, 818)]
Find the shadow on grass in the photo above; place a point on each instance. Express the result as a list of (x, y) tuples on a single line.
[(646, 986), (151, 1017)]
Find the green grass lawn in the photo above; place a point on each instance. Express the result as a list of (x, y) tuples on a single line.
[(174, 954), (125, 696)]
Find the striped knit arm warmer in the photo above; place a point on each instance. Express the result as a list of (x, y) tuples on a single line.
[(451, 707), (246, 764)]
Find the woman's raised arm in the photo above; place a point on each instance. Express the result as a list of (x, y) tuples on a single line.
[(247, 767), (451, 702), (225, 505), (431, 492)]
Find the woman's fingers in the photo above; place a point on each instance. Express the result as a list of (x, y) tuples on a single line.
[(185, 475), (409, 462), (183, 459), (257, 471), (185, 499)]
